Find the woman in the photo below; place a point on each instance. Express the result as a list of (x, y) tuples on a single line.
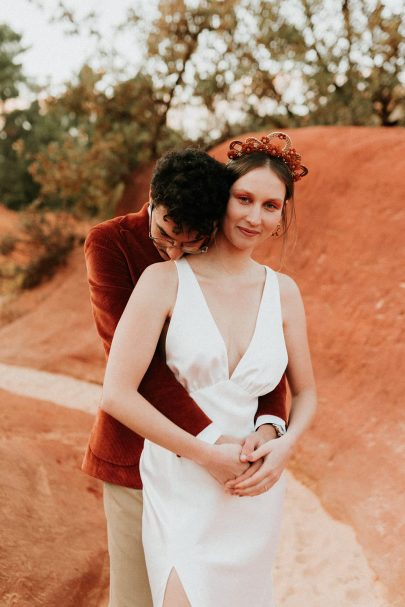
[(233, 325)]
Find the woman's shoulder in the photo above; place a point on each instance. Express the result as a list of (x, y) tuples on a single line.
[(161, 269), (161, 274), (157, 285), (289, 290)]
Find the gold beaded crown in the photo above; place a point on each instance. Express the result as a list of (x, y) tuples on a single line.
[(277, 145)]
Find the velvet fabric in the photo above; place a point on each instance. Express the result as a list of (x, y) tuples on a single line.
[(117, 251)]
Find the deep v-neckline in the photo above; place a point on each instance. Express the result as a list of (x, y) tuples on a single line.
[(215, 325)]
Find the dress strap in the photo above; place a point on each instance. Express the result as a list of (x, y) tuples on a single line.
[(273, 295), (187, 294)]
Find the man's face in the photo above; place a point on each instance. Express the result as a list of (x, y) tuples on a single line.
[(170, 241)]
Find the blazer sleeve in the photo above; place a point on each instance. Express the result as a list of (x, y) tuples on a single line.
[(272, 407), (111, 283)]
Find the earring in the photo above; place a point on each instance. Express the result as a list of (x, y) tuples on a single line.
[(276, 232)]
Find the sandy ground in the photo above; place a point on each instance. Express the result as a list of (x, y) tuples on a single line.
[(320, 563)]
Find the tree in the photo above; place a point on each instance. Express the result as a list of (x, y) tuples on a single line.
[(214, 56), (11, 74), (23, 134), (109, 135), (355, 63), (251, 63)]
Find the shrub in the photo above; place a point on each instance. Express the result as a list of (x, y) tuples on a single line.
[(42, 245)]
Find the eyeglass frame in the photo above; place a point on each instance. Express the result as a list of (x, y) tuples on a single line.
[(169, 243)]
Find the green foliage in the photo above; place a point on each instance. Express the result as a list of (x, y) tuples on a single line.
[(85, 171), (355, 62), (23, 134), (249, 64), (22, 131), (10, 71)]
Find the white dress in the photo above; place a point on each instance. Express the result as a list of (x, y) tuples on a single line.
[(221, 546)]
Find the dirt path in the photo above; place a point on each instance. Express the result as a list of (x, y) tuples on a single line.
[(58, 389), (320, 561)]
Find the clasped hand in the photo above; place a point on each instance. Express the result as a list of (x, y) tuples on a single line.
[(251, 466)]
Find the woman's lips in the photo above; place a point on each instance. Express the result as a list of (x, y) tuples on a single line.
[(248, 233)]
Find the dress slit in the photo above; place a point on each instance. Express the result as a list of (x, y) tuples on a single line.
[(186, 602)]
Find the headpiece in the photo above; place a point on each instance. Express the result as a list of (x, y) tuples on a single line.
[(277, 145)]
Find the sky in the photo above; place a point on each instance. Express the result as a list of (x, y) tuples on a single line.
[(54, 57)]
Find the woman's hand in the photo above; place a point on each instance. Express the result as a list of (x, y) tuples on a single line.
[(274, 455), (252, 442), (224, 462)]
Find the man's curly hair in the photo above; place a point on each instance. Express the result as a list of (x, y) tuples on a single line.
[(193, 187)]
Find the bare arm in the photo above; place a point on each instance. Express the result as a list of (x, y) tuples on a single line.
[(141, 323), (299, 370)]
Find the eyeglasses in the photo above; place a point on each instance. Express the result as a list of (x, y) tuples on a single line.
[(169, 243)]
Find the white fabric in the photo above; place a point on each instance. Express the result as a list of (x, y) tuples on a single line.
[(269, 419), (210, 434), (221, 546)]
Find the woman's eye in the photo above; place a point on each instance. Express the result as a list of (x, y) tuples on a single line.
[(243, 198)]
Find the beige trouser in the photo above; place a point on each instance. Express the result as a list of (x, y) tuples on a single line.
[(129, 586)]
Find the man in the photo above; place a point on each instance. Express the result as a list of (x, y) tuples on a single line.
[(189, 193)]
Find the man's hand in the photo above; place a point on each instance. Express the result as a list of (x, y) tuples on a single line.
[(256, 439), (275, 454), (225, 464)]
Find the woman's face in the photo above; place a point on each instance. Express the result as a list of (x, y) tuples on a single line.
[(254, 209)]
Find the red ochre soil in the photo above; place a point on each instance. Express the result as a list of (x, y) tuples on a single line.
[(8, 220), (52, 526), (347, 261)]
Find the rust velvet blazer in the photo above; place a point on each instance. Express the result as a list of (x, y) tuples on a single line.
[(117, 251)]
